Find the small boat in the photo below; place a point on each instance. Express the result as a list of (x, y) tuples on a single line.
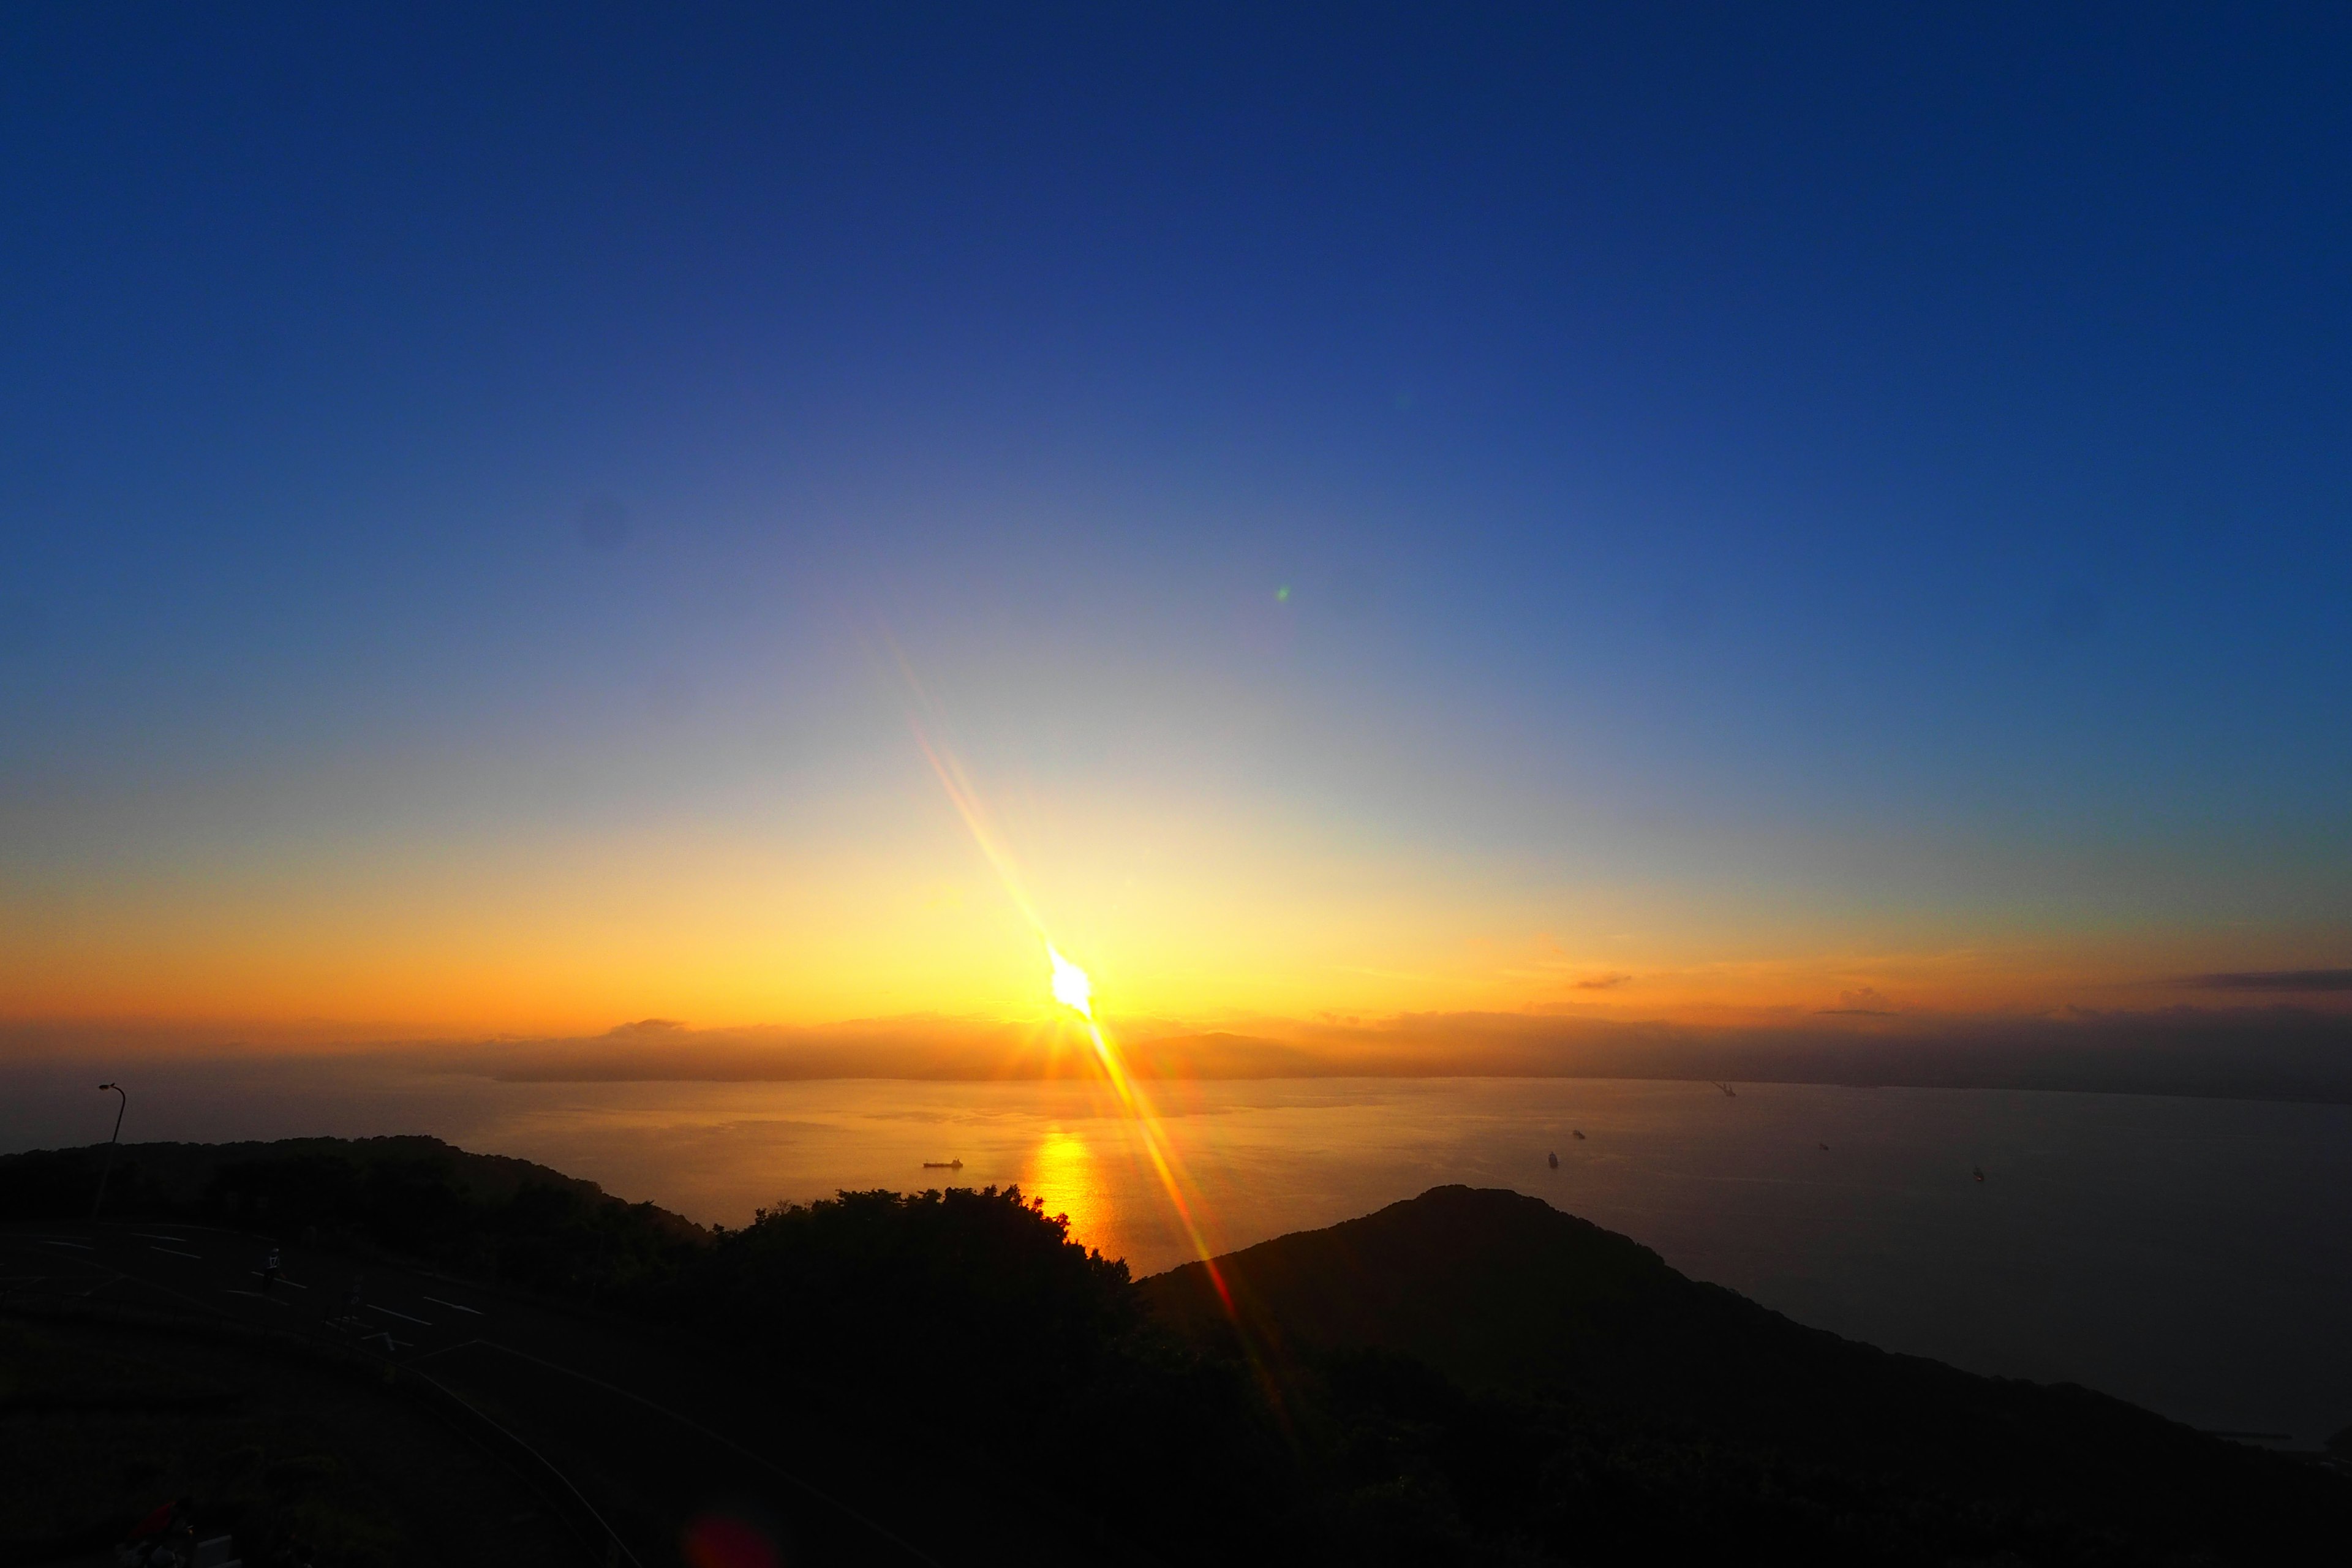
[(1980, 1170), (1555, 1161), (1727, 1092), (943, 1164), (1825, 1148), (1578, 1136)]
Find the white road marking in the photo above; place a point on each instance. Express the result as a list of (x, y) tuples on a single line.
[(44, 1241), (402, 1316), (453, 1306), (197, 1255), (150, 1235), (257, 1274)]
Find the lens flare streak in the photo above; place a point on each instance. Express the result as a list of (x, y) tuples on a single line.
[(1140, 1114), (1073, 989)]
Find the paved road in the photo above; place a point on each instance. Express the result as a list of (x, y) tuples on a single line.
[(639, 1440)]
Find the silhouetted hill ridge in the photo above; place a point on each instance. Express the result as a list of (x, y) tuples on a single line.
[(1466, 1378), (490, 1215), (180, 1172), (1500, 1290), (1504, 1294)]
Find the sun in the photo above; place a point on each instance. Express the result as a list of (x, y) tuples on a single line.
[(1072, 989)]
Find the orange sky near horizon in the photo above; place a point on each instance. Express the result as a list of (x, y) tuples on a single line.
[(881, 905)]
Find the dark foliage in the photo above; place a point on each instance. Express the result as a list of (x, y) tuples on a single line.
[(977, 1292), (1416, 1468), (970, 1320)]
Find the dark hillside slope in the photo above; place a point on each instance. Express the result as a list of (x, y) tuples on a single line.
[(1502, 1294), (484, 1215)]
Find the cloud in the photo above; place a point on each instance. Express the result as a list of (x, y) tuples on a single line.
[(1605, 982), (1868, 1002), (2272, 979), (2269, 1050)]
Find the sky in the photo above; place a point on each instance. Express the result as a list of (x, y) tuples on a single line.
[(1638, 512)]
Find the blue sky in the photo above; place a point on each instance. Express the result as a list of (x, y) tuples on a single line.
[(1823, 489)]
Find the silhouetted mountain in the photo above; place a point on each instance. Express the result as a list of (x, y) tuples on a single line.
[(1469, 1378), (1485, 1368), (486, 1214)]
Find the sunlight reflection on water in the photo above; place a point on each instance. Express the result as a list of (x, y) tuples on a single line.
[(1061, 1171)]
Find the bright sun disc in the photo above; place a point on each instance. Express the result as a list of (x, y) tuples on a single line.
[(1071, 987)]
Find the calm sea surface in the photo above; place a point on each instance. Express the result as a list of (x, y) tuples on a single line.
[(2195, 1256)]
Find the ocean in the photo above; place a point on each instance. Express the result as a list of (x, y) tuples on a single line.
[(2194, 1256)]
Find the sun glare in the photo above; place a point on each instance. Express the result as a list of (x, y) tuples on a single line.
[(1072, 989)]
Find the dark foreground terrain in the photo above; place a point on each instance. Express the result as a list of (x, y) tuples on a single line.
[(101, 1424), (1486, 1368), (466, 1359)]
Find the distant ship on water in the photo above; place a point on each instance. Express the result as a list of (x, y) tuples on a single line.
[(943, 1164)]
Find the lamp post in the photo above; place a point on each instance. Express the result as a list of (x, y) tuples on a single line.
[(107, 1170)]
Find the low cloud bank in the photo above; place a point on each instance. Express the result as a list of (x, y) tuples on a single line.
[(2277, 1052), (2284, 981), (2267, 1053)]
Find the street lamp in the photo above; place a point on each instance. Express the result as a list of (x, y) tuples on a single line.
[(109, 1169)]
